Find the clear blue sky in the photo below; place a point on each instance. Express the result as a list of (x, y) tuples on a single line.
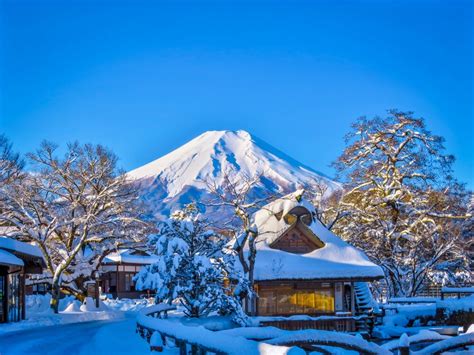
[(144, 77)]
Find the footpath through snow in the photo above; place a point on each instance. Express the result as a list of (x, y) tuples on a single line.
[(71, 311), (98, 337), (77, 329)]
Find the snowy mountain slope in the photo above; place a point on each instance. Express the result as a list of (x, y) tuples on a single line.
[(179, 177)]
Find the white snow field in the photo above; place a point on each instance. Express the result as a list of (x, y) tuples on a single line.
[(39, 314), (97, 337), (180, 176), (77, 329)]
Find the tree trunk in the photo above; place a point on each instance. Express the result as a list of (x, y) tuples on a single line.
[(56, 292), (252, 257)]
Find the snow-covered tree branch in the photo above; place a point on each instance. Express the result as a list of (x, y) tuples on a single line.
[(401, 204), (76, 208), (238, 194)]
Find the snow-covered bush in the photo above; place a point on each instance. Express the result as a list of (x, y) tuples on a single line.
[(38, 304), (191, 267)]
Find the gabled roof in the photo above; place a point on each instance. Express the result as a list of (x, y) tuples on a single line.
[(130, 256), (335, 260)]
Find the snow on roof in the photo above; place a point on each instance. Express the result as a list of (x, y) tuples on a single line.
[(7, 258), (335, 260), (21, 247), (127, 256)]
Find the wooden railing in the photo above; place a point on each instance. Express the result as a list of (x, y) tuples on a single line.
[(153, 325), (157, 330), (439, 346), (342, 324), (158, 311)]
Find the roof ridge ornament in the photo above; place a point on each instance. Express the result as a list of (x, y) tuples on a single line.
[(299, 194)]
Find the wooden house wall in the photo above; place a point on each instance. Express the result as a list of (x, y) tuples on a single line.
[(297, 240), (120, 283)]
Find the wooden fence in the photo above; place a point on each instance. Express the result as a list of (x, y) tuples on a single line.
[(153, 325)]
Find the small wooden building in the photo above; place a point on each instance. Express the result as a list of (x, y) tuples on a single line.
[(118, 270), (17, 260), (301, 267)]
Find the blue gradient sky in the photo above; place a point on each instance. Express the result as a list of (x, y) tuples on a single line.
[(145, 77)]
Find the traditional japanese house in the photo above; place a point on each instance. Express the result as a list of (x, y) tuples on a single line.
[(118, 270), (17, 260), (302, 268)]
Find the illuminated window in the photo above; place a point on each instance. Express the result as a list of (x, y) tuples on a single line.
[(284, 300)]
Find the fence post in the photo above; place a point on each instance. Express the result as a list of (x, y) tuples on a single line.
[(182, 347), (404, 345), (156, 342)]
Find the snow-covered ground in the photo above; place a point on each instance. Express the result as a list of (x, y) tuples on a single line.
[(40, 315), (80, 329), (77, 329), (399, 316), (115, 336)]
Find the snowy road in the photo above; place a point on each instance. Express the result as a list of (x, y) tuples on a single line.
[(98, 337)]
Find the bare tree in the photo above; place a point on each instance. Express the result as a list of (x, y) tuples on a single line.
[(76, 208), (11, 165), (11, 169), (236, 194), (402, 205), (326, 202)]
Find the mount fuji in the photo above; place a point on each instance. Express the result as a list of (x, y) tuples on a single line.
[(180, 177)]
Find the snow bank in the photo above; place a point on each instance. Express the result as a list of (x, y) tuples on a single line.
[(73, 307), (37, 304), (470, 329), (394, 324), (39, 314), (126, 304), (90, 306), (422, 336), (405, 313), (46, 320), (453, 305)]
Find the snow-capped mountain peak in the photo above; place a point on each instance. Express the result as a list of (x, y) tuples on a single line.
[(209, 156)]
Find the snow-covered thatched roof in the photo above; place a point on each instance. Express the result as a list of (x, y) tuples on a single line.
[(336, 259), (130, 256)]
